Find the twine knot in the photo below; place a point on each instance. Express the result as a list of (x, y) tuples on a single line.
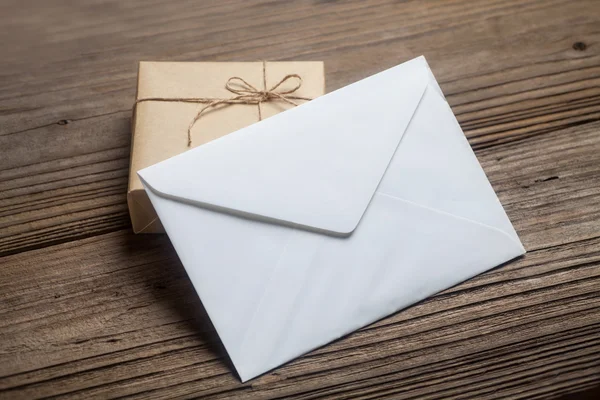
[(250, 94), (244, 93)]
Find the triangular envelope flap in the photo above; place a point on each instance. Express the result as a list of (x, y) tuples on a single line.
[(316, 166)]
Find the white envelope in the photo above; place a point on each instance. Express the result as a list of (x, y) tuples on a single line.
[(325, 218)]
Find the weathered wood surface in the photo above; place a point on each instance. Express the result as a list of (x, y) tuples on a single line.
[(88, 310)]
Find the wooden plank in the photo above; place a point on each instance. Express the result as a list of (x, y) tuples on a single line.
[(510, 69), (115, 315)]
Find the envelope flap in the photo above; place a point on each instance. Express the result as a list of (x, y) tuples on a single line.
[(316, 166)]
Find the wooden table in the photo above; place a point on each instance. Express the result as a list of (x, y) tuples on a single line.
[(89, 310)]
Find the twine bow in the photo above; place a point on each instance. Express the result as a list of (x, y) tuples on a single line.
[(244, 93)]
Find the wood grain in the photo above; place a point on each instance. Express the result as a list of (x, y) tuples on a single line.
[(508, 68), (89, 310), (115, 315)]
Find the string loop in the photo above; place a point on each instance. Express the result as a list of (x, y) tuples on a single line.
[(245, 93)]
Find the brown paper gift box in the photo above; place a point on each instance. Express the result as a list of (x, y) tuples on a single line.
[(159, 128)]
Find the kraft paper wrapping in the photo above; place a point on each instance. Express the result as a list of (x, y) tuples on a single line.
[(159, 129)]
